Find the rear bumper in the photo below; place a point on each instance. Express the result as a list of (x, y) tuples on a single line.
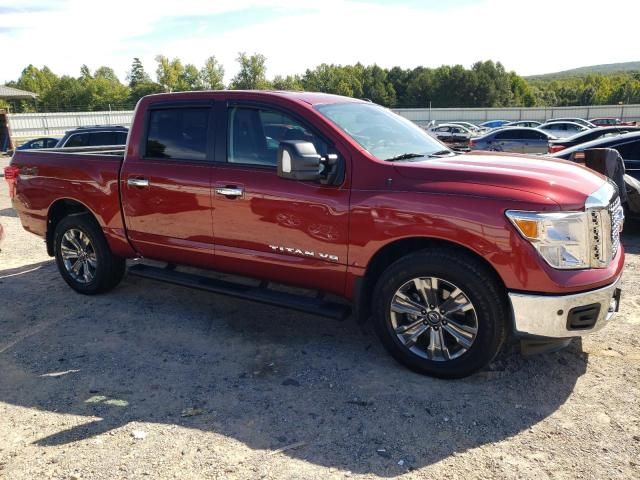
[(564, 316)]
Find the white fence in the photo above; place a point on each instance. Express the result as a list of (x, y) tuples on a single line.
[(31, 125), (423, 116)]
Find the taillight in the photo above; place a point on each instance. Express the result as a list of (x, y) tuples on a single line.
[(556, 148), (11, 176)]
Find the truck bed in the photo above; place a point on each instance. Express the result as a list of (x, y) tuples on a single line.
[(50, 176)]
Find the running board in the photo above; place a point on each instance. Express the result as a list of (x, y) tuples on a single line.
[(314, 305)]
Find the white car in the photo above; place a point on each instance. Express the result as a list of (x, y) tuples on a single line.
[(451, 133), (474, 128), (562, 129)]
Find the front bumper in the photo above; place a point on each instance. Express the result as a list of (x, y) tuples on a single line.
[(564, 316)]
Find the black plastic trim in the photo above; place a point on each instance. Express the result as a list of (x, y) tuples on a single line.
[(313, 305)]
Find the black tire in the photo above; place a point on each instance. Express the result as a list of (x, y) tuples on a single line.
[(109, 269), (478, 284)]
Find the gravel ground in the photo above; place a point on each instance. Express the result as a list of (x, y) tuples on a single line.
[(158, 381)]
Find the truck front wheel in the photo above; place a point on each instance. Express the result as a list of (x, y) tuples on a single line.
[(441, 313), (83, 256)]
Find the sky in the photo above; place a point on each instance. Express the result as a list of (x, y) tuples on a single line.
[(527, 36)]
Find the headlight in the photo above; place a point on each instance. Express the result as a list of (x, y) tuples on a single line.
[(561, 238)]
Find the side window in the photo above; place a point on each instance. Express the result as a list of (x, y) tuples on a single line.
[(101, 138), (51, 143), (78, 140), (629, 151), (121, 138), (541, 136), (37, 144), (179, 133), (508, 135), (255, 135)]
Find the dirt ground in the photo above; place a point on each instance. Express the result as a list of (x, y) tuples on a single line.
[(158, 381)]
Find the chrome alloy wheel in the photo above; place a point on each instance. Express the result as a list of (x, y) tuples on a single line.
[(78, 255), (433, 319)]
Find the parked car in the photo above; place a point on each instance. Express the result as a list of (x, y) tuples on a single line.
[(587, 136), (524, 123), (451, 133), (579, 121), (447, 254), (562, 129), (606, 121), (98, 135), (44, 142), (513, 139), (627, 144), (470, 126), (494, 123)]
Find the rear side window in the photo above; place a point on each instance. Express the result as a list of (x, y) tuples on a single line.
[(101, 138), (531, 135), (179, 133), (78, 140), (121, 138), (507, 135)]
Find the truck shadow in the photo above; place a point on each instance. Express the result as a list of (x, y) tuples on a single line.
[(264, 376)]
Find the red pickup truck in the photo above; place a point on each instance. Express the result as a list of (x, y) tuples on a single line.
[(448, 254)]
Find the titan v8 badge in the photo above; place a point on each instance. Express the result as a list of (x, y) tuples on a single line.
[(304, 253)]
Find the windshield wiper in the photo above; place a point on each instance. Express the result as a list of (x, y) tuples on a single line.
[(440, 153), (405, 156)]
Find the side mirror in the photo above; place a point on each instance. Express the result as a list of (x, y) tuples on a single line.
[(298, 160)]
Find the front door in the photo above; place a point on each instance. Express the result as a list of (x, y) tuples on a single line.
[(166, 190), (269, 227)]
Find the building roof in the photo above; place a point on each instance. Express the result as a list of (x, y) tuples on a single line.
[(14, 93)]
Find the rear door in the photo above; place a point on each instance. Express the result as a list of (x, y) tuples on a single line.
[(508, 141), (535, 142), (166, 191), (267, 226)]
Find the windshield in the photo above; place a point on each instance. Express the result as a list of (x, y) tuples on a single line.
[(381, 132)]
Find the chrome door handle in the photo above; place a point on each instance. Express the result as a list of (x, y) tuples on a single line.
[(230, 191), (138, 182)]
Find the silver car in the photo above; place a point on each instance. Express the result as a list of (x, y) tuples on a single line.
[(579, 121), (524, 123), (562, 129), (513, 139)]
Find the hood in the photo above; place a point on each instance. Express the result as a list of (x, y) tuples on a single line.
[(524, 177)]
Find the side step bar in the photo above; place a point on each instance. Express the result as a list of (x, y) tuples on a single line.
[(314, 305)]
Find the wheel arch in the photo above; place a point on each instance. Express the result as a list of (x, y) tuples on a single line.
[(62, 208), (397, 249)]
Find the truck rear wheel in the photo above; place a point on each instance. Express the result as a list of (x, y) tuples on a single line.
[(440, 313), (83, 256)]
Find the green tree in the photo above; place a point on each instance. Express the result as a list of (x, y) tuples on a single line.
[(169, 73), (290, 82), (137, 74), (212, 74), (190, 79), (252, 74), (377, 87), (336, 79)]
